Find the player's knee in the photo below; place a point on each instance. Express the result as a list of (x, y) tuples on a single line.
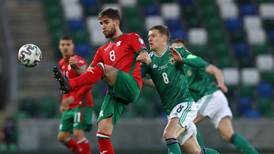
[(105, 126), (79, 135), (194, 151), (62, 137), (168, 134), (226, 136)]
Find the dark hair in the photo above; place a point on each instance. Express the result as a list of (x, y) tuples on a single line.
[(178, 41), (162, 29), (110, 13), (67, 38)]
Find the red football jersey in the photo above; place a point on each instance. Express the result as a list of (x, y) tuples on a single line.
[(121, 53), (78, 93)]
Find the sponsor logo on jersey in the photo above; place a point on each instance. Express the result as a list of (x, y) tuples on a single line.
[(118, 43), (107, 47)]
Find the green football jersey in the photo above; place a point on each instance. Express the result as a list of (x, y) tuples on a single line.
[(199, 81), (169, 80)]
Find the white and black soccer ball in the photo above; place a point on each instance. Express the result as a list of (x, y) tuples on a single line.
[(29, 55)]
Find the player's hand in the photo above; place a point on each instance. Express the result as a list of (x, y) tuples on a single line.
[(67, 101), (73, 62), (176, 55), (144, 57), (223, 87)]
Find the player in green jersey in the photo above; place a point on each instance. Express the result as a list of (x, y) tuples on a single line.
[(208, 92), (172, 87)]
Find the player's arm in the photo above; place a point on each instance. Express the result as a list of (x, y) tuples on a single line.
[(138, 45), (217, 73), (149, 82), (78, 65), (183, 56)]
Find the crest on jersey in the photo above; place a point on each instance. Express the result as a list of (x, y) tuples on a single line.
[(154, 66), (189, 73), (141, 41), (118, 43)]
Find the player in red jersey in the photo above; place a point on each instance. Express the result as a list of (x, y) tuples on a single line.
[(76, 106), (116, 63)]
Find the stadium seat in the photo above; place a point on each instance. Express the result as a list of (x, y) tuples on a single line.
[(199, 50), (267, 77), (153, 20), (93, 27), (237, 36), (231, 76), (150, 10), (252, 22), (232, 24), (246, 91), (224, 2), (271, 36), (80, 36), (179, 34), (229, 10), (221, 50), (83, 49), (91, 10), (48, 107), (264, 105), (197, 36), (76, 24), (244, 104), (170, 11), (266, 10), (260, 49), (241, 50), (268, 24), (250, 76), (74, 11), (252, 114), (265, 63), (130, 12), (146, 2), (112, 5), (256, 36), (264, 90), (248, 9), (217, 37), (88, 3), (226, 62), (128, 3), (174, 24), (186, 2)]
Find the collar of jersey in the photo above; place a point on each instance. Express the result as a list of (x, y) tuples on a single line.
[(162, 53), (114, 39)]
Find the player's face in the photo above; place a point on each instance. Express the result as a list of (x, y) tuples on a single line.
[(155, 39), (177, 45), (108, 26), (66, 47)]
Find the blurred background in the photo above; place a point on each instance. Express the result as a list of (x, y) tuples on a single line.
[(235, 35)]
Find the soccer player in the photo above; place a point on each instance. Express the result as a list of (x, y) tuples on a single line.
[(116, 63), (172, 87), (213, 103), (76, 106)]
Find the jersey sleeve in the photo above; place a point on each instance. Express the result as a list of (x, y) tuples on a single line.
[(137, 43), (145, 70), (192, 60), (97, 58), (81, 92), (82, 63)]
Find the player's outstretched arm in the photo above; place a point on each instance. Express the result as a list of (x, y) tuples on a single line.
[(211, 69)]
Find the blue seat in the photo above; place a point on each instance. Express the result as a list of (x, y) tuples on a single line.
[(244, 104), (174, 24), (76, 24), (248, 9), (252, 114), (271, 36), (233, 24), (88, 2), (153, 9), (178, 34), (265, 90), (241, 50), (186, 2), (83, 49)]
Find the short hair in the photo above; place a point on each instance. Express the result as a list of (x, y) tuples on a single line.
[(66, 38), (178, 41), (162, 29), (110, 13)]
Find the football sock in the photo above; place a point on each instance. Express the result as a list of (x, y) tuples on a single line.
[(200, 139), (209, 151), (173, 146), (242, 144), (83, 146), (105, 146), (90, 77), (71, 144)]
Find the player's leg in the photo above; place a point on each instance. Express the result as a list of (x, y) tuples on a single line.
[(171, 132), (82, 123), (220, 115), (226, 131), (199, 136), (65, 129)]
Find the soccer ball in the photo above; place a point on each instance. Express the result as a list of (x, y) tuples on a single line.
[(29, 55)]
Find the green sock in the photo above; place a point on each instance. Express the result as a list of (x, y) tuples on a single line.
[(200, 139), (173, 146), (210, 151), (242, 144)]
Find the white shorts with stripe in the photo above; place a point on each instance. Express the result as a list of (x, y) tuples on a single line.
[(215, 106)]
